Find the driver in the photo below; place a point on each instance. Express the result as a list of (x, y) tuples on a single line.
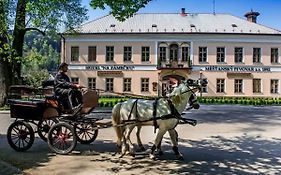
[(67, 92)]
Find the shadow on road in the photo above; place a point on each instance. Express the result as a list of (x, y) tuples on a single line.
[(216, 155)]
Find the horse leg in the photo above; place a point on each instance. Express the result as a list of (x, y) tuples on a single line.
[(141, 147), (157, 142), (116, 120), (128, 145), (159, 150), (174, 138)]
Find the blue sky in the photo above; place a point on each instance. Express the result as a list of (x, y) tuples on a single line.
[(270, 10)]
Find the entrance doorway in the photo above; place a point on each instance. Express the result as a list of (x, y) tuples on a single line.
[(169, 82)]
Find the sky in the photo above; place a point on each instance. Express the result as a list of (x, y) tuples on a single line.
[(270, 10)]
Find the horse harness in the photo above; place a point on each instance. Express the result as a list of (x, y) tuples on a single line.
[(174, 114)]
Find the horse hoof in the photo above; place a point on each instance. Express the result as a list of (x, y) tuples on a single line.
[(122, 155), (153, 157)]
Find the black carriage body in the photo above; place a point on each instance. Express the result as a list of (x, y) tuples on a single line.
[(28, 110)]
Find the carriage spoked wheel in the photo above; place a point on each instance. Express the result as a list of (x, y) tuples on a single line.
[(44, 126), (86, 133), (20, 136), (62, 138)]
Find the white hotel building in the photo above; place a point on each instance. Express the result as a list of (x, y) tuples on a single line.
[(239, 57)]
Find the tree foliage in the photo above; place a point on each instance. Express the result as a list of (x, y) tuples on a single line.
[(20, 16), (120, 9), (40, 53)]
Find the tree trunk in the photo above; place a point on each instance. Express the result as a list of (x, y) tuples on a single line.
[(18, 35), (4, 75)]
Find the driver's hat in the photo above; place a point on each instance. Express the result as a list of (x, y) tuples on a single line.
[(62, 65)]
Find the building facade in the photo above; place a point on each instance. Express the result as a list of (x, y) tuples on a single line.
[(237, 56)]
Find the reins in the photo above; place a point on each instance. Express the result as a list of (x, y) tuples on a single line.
[(174, 113), (136, 96)]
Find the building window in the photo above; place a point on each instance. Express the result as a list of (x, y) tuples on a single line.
[(220, 54), (75, 80), (238, 54), (238, 85), (109, 84), (162, 53), (202, 54), (154, 86), (145, 84), (185, 53), (74, 53), (145, 53), (220, 85), (127, 83), (92, 83), (205, 88), (109, 53), (256, 55), (127, 53), (174, 49), (274, 86), (92, 53), (256, 85), (274, 55)]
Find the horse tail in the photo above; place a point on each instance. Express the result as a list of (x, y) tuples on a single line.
[(116, 120)]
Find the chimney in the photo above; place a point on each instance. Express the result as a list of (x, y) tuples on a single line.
[(252, 16), (183, 12)]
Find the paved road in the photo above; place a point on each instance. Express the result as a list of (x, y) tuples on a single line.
[(227, 140)]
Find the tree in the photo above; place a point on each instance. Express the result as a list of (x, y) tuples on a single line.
[(4, 46), (121, 9), (42, 16)]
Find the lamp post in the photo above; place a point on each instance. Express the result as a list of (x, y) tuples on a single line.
[(200, 77)]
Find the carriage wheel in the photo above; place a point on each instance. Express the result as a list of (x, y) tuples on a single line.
[(61, 138), (44, 127), (20, 136), (85, 133)]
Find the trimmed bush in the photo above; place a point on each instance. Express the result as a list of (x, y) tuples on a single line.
[(241, 100)]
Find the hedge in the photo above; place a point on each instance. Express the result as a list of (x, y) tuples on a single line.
[(240, 100), (257, 101)]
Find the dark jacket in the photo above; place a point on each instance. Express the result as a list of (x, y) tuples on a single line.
[(62, 83)]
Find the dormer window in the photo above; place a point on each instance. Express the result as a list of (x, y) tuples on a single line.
[(233, 25), (112, 25), (192, 25), (154, 25)]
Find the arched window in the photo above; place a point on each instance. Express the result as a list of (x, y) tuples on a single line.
[(174, 50)]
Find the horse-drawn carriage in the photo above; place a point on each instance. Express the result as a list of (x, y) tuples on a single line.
[(39, 111), (62, 130)]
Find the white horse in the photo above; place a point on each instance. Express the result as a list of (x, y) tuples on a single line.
[(162, 113), (193, 104)]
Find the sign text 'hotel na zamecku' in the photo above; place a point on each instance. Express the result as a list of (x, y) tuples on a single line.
[(110, 67), (237, 69)]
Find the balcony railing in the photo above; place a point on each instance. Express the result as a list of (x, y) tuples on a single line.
[(174, 64)]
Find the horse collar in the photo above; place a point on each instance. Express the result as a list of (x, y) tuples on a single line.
[(174, 111)]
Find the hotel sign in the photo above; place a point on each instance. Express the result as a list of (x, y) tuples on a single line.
[(238, 68), (110, 67)]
